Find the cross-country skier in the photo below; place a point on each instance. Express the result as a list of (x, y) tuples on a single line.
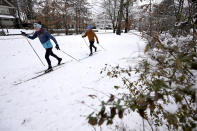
[(44, 38), (91, 36)]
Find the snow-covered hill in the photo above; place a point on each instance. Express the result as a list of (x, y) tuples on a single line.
[(59, 101)]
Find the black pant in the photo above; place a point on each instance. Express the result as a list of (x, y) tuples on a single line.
[(48, 53), (92, 45)]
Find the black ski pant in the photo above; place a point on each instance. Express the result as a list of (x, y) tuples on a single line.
[(48, 53), (92, 45)]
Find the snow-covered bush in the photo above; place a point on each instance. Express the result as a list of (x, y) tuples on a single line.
[(165, 92)]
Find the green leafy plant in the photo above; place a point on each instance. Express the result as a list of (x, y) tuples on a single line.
[(165, 77)]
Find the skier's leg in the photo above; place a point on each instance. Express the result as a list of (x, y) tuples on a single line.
[(94, 47), (54, 55), (91, 45), (47, 54)]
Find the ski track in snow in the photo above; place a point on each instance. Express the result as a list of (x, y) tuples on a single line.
[(58, 101)]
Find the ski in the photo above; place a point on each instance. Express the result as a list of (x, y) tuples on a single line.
[(90, 56), (42, 73)]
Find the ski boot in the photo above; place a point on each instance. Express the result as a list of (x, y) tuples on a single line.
[(59, 61), (49, 69)]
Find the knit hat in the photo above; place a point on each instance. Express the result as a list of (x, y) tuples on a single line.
[(89, 27), (37, 25)]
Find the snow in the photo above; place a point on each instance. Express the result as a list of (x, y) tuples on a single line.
[(143, 2), (7, 16), (15, 31), (59, 101)]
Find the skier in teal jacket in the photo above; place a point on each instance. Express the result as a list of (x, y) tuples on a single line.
[(44, 38)]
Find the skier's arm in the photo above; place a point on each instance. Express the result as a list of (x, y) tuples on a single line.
[(51, 37), (96, 38), (55, 41), (85, 35), (33, 37)]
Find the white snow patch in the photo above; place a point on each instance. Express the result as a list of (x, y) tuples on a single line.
[(7, 16), (59, 101)]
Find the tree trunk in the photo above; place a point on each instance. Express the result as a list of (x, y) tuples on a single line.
[(76, 22), (65, 23), (127, 20), (118, 32), (150, 18), (19, 16), (29, 10)]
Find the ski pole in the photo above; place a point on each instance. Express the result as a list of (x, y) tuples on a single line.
[(34, 50), (69, 55), (101, 46), (98, 44), (86, 42)]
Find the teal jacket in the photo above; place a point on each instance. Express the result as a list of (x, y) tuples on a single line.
[(44, 38)]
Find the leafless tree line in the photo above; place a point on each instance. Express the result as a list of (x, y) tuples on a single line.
[(119, 12), (152, 17), (56, 14)]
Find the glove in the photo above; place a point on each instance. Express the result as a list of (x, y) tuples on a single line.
[(23, 33), (57, 47)]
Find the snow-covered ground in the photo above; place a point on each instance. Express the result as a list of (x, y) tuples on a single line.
[(59, 101), (15, 31)]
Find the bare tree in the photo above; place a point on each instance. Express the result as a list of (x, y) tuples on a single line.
[(63, 13), (16, 3), (117, 10), (27, 9), (111, 9), (118, 32), (81, 13), (127, 14)]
